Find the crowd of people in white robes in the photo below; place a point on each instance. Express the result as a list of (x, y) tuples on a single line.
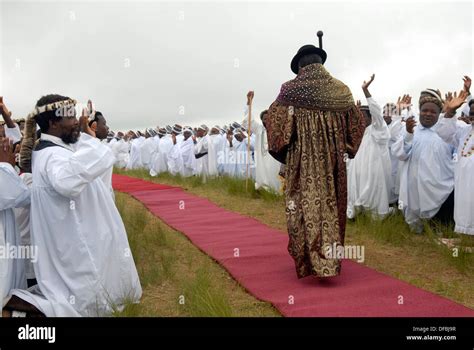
[(418, 162), (237, 150), (56, 193)]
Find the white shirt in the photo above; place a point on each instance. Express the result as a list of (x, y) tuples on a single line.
[(427, 172), (457, 134), (266, 167), (84, 267), (13, 194), (370, 172)]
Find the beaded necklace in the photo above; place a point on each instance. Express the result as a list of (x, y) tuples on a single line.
[(471, 151)]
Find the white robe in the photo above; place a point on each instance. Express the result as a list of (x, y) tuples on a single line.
[(13, 194), (216, 147), (121, 150), (22, 217), (395, 128), (426, 174), (148, 148), (85, 266), (240, 156), (159, 162), (370, 172), (456, 134), (202, 163), (135, 160), (266, 167), (227, 158), (181, 158)]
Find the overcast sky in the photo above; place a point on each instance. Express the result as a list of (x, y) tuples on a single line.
[(155, 63)]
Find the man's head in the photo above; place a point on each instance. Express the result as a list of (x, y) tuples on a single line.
[(263, 116), (61, 122), (21, 124), (388, 112), (215, 130), (187, 134), (239, 135), (176, 130), (161, 132), (99, 124), (471, 111), (201, 131), (430, 107), (309, 59), (308, 54)]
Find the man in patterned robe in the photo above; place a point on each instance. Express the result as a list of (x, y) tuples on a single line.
[(314, 127)]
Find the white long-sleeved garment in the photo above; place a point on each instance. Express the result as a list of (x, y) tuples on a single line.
[(13, 194), (148, 148), (201, 150), (181, 158), (266, 167), (242, 157), (159, 163), (370, 172), (85, 266), (426, 173), (216, 148), (135, 159), (121, 150), (459, 136), (22, 217)]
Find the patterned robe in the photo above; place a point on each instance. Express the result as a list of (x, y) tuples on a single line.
[(314, 127)]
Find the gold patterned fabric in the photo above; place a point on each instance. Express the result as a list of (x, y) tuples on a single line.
[(315, 144)]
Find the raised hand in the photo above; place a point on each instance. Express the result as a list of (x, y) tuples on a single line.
[(410, 124), (404, 102), (7, 152), (84, 123), (366, 84), (3, 108), (467, 84), (250, 96), (453, 102), (464, 118)]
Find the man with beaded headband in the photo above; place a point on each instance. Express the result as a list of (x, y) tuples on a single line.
[(427, 169), (84, 265), (313, 126)]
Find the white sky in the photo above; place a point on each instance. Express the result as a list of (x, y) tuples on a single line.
[(141, 62)]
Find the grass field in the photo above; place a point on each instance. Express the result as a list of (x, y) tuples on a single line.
[(171, 267)]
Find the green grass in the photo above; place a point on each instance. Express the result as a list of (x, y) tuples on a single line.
[(203, 299)]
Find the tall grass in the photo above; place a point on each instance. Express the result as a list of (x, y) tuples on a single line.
[(203, 298), (393, 230)]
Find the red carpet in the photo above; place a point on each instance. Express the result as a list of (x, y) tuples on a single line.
[(265, 269)]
